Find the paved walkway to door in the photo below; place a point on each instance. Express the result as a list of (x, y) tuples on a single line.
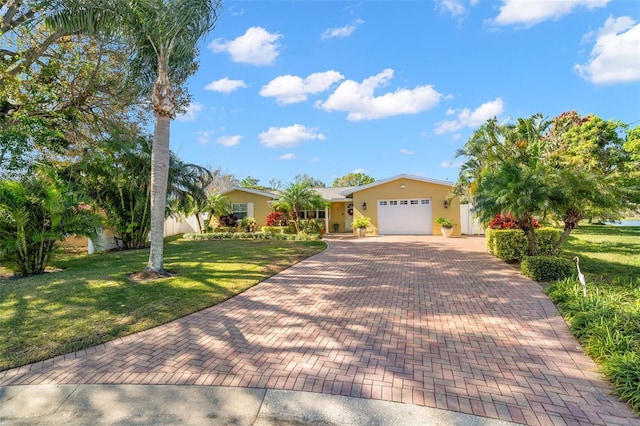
[(420, 320)]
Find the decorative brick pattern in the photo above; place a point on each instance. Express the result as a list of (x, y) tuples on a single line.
[(420, 320)]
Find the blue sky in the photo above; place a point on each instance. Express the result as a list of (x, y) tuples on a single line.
[(328, 88)]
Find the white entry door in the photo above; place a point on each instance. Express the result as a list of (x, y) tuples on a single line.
[(405, 216)]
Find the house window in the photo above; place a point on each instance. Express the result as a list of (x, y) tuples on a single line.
[(393, 203), (239, 210), (424, 201), (414, 202), (383, 203), (404, 202), (312, 214)]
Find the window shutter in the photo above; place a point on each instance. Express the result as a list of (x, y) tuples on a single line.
[(250, 210)]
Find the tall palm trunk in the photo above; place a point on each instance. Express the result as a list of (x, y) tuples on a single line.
[(164, 107)]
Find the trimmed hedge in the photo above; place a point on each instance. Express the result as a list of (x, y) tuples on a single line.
[(289, 229), (510, 245), (250, 236), (546, 268), (547, 239), (490, 236)]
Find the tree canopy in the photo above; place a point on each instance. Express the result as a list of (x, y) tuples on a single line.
[(569, 167), (353, 179)]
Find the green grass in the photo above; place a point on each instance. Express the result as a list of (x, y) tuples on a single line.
[(607, 321), (91, 301)]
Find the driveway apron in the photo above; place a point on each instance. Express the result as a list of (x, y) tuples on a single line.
[(428, 321)]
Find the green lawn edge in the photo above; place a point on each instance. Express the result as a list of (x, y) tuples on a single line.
[(89, 300)]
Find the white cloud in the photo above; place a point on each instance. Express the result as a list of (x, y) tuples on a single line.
[(451, 164), (229, 140), (359, 101), (615, 57), (531, 12), (471, 119), (191, 113), (406, 152), (225, 85), (288, 136), (256, 47), (289, 89), (453, 7), (204, 137), (341, 32), (289, 156)]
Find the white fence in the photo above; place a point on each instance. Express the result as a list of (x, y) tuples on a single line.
[(469, 225)]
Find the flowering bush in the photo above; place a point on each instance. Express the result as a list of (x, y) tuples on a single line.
[(507, 221), (276, 219)]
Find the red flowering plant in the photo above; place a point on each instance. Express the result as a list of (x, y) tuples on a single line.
[(507, 221), (276, 219)]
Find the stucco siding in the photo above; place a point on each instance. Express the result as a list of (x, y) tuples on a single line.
[(261, 208), (407, 189)]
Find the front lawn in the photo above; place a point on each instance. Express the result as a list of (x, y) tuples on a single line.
[(91, 301), (607, 321)]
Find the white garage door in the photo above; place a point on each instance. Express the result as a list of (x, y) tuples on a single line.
[(409, 216)]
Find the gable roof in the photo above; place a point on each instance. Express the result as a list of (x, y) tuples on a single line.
[(333, 193), (350, 191), (250, 191)]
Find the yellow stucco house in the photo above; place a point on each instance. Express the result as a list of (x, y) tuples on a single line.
[(402, 204)]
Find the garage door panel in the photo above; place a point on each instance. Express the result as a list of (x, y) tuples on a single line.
[(405, 216)]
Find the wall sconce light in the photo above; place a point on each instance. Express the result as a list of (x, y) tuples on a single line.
[(364, 206), (446, 204)]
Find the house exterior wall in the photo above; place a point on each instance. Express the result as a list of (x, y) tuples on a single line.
[(412, 189), (261, 208), (337, 213)]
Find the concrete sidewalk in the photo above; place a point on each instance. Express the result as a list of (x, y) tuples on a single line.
[(69, 405)]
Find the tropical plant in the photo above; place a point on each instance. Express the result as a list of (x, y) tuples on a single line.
[(361, 222), (116, 174), (163, 37), (445, 222), (568, 166), (35, 213), (297, 197), (216, 205)]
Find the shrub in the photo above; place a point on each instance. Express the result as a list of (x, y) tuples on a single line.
[(507, 221), (546, 268), (489, 241), (248, 224), (229, 220), (250, 235), (509, 245), (310, 226), (546, 238), (289, 229), (277, 219)]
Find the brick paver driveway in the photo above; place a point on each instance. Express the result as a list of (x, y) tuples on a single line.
[(420, 320)]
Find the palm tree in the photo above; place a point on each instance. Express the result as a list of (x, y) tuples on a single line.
[(216, 205), (163, 36), (296, 197)]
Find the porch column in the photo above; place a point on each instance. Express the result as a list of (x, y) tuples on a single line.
[(326, 220)]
